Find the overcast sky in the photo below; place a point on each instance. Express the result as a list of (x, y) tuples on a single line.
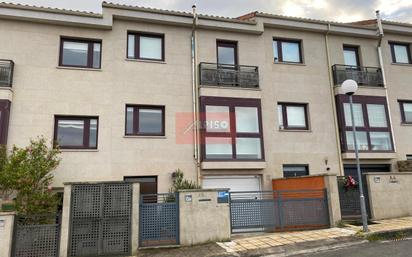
[(337, 10)]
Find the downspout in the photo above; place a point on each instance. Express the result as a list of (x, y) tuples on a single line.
[(195, 96), (381, 66), (332, 95)]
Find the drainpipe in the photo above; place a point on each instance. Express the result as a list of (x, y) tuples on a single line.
[(381, 66), (332, 86), (195, 95)]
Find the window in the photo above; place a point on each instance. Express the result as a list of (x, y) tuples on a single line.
[(286, 50), (401, 53), (236, 133), (351, 55), (145, 120), (226, 52), (145, 46), (371, 121), (80, 53), (293, 116), (76, 132), (409, 157), (295, 170), (406, 111)]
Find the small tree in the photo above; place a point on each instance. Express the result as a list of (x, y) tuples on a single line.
[(180, 182), (28, 171), (6, 181)]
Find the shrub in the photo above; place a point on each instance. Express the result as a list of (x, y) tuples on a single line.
[(28, 172), (181, 183)]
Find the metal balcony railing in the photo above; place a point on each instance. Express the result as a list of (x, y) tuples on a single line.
[(213, 74), (365, 76), (6, 73)]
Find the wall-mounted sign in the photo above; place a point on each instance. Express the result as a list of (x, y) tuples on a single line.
[(2, 224), (188, 198), (223, 197)]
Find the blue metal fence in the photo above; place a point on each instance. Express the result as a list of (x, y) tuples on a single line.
[(278, 210), (159, 220)]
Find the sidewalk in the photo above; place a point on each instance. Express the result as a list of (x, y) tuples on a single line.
[(284, 242)]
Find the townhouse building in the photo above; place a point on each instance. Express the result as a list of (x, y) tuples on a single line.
[(120, 92)]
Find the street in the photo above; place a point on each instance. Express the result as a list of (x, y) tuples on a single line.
[(375, 249)]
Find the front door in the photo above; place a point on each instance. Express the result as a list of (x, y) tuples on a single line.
[(148, 184)]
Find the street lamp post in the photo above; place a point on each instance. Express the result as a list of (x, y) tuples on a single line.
[(349, 87)]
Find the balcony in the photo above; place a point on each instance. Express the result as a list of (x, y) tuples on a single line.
[(6, 73), (242, 76), (365, 76)]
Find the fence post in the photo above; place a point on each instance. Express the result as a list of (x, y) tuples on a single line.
[(7, 226), (65, 221), (135, 219), (331, 184), (280, 210)]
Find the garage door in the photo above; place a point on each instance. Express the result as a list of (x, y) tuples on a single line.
[(234, 183)]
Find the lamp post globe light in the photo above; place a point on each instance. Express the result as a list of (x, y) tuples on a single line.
[(349, 87)]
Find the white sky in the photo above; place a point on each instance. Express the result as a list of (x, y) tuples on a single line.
[(337, 10)]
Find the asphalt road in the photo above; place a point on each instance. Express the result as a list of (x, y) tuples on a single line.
[(374, 249)]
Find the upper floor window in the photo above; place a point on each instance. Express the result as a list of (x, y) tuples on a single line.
[(371, 118), (145, 46), (226, 52), (406, 111), (81, 53), (295, 170), (351, 55), (233, 129), (401, 53), (292, 116), (287, 50), (76, 132), (145, 120)]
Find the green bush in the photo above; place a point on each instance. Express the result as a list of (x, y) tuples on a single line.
[(180, 183), (28, 172)]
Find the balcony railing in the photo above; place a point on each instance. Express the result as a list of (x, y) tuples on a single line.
[(212, 74), (6, 73), (365, 76)]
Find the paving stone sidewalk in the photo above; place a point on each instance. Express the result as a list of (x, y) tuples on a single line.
[(253, 244)]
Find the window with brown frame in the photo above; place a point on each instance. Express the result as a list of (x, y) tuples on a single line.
[(351, 55), (406, 111), (401, 53), (287, 50), (227, 52), (295, 170), (82, 53), (293, 116), (76, 132), (145, 46), (371, 117), (145, 120), (232, 129)]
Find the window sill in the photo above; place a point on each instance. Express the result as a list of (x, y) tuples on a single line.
[(155, 137), (79, 150), (291, 63), (402, 64), (294, 130), (148, 61), (234, 165), (77, 68), (406, 124)]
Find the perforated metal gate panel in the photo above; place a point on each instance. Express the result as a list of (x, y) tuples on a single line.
[(100, 219), (278, 210), (159, 220), (36, 236)]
